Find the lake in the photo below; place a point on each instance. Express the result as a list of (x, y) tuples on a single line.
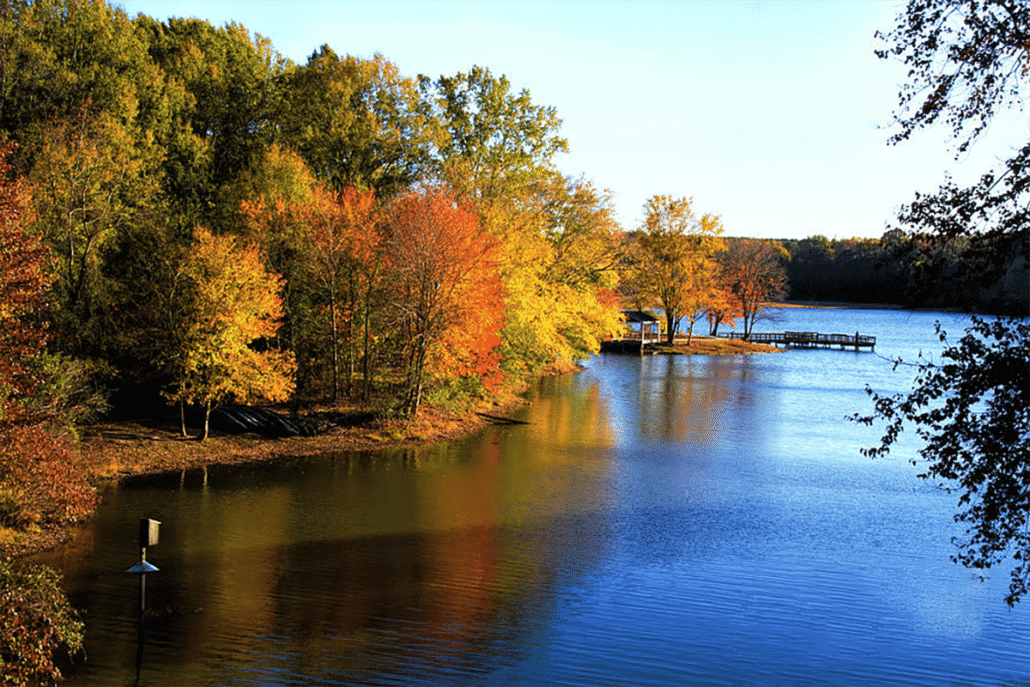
[(666, 520)]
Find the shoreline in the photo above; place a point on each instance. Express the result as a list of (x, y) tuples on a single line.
[(835, 305), (118, 450)]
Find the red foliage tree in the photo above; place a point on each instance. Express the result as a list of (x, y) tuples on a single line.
[(446, 291)]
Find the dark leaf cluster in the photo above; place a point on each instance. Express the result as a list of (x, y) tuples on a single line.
[(966, 60), (971, 410)]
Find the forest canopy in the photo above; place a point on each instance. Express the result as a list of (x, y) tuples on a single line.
[(135, 137), (135, 133)]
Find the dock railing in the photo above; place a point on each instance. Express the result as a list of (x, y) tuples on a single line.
[(855, 340)]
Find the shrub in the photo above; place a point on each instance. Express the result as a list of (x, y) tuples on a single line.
[(36, 622), (40, 480)]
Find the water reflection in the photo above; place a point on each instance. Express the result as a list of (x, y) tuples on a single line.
[(415, 563), (661, 520)]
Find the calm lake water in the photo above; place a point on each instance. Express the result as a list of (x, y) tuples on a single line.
[(660, 521)]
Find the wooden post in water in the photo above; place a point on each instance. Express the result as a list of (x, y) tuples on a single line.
[(856, 342), (148, 536)]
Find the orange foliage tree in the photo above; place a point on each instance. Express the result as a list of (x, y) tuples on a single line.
[(756, 271), (721, 310), (328, 247), (24, 281), (445, 288), (231, 303), (724, 308)]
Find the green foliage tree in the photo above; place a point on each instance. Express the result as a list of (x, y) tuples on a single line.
[(972, 411), (490, 142), (221, 109), (92, 181), (966, 62), (56, 55), (356, 122)]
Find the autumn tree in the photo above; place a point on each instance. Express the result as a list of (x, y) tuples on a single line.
[(497, 149), (445, 290), (40, 483), (231, 304), (585, 251), (723, 308), (560, 249), (326, 246), (24, 283), (966, 62), (756, 273), (673, 264), (37, 623), (274, 193), (344, 259)]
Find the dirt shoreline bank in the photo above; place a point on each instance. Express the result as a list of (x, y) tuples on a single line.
[(119, 450)]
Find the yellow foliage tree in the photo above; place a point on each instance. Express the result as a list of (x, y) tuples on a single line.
[(230, 303), (674, 265)]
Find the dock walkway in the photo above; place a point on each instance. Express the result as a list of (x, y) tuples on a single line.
[(631, 341), (810, 339)]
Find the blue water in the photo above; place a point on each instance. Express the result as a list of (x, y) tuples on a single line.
[(665, 520)]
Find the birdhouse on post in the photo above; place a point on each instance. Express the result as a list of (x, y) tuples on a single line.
[(148, 536)]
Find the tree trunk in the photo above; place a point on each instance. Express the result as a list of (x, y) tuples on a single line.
[(336, 343), (182, 417), (352, 308), (416, 366), (366, 358), (207, 420)]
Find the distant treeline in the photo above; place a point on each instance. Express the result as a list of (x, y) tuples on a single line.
[(914, 271)]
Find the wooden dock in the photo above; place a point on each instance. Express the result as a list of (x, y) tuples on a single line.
[(633, 342), (810, 339)]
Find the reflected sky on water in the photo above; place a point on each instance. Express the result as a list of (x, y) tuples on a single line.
[(663, 520)]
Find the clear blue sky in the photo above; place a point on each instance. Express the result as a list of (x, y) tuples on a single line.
[(769, 114)]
